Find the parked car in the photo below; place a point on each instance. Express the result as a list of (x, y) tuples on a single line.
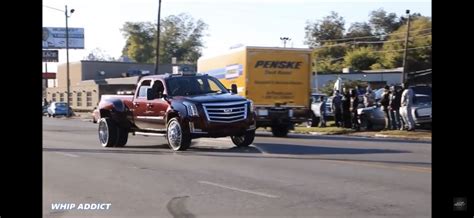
[(372, 118), (315, 117), (58, 108)]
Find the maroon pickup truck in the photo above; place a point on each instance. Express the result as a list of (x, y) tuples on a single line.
[(179, 107)]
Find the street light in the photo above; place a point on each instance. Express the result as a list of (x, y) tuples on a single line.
[(67, 57), (284, 39)]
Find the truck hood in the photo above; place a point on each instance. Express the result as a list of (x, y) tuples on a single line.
[(211, 98)]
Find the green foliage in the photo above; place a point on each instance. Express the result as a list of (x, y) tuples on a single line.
[(180, 37), (383, 22), (330, 27), (361, 58), (420, 38)]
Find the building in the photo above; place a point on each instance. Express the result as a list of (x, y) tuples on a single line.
[(376, 78), (91, 79)]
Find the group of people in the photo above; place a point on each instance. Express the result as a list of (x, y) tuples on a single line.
[(396, 102)]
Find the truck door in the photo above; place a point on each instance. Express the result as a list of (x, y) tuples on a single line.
[(140, 105), (156, 108)]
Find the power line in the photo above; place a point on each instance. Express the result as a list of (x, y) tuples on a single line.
[(365, 37), (429, 46), (368, 42), (53, 8), (387, 41), (415, 48)]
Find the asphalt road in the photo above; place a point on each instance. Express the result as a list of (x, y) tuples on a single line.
[(298, 176)]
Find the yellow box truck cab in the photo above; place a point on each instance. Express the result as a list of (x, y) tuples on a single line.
[(277, 80)]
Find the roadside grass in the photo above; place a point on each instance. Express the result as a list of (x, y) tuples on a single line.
[(330, 130), (411, 134)]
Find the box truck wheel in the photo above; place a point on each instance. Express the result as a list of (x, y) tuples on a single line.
[(280, 130)]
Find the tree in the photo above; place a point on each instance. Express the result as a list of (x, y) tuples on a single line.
[(98, 54), (329, 59), (419, 56), (139, 41), (360, 29), (180, 37), (330, 27), (383, 22), (361, 58)]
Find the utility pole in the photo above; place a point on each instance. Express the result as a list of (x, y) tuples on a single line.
[(158, 40), (404, 73), (67, 60)]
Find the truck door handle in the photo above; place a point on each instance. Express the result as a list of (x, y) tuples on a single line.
[(136, 104), (149, 105)]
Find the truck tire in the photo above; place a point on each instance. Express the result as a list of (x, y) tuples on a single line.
[(179, 138), (280, 130), (108, 132), (122, 137), (244, 140), (313, 121)]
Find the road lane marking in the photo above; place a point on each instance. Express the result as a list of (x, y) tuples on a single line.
[(260, 150), (238, 189), (67, 154)]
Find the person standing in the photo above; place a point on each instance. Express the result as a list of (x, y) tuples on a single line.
[(369, 98), (322, 112), (346, 109), (394, 108), (405, 109), (385, 102), (354, 106), (337, 108)]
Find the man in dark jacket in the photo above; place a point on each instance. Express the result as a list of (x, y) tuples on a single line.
[(394, 108), (385, 102), (354, 106), (346, 109), (337, 108)]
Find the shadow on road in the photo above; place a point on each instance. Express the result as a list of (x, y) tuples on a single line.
[(272, 148), (345, 138)]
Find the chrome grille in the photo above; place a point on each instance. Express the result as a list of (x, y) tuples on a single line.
[(226, 112)]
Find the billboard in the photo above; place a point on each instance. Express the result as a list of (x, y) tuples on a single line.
[(55, 37), (50, 55)]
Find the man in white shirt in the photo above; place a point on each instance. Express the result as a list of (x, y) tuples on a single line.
[(405, 109)]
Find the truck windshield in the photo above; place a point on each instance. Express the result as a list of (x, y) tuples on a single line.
[(196, 85)]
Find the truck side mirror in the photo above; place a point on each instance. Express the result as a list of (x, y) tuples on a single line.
[(150, 95), (233, 88)]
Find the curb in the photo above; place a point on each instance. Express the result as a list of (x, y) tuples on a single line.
[(369, 136)]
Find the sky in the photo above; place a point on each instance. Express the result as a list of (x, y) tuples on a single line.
[(230, 22)]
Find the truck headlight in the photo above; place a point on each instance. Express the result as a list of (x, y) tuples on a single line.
[(191, 108), (252, 109)]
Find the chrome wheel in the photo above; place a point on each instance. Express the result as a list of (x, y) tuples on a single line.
[(103, 133), (174, 135)]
